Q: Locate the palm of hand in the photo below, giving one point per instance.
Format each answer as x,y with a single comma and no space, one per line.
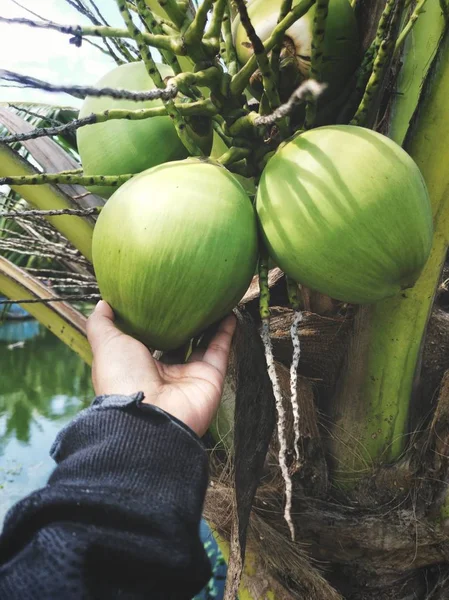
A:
191,392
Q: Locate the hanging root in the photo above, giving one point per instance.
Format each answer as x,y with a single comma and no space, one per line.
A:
292,291
294,378
281,424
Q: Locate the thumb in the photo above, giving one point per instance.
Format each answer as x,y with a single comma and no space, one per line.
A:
100,325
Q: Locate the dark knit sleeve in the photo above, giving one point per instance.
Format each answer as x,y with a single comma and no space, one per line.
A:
120,515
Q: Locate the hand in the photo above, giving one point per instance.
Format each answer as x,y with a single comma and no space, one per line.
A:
190,392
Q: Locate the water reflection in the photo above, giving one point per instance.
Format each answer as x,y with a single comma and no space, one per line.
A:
43,384
40,378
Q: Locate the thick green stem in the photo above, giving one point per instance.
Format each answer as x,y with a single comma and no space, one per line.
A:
240,80
268,76
372,405
154,27
183,129
172,10
374,83
194,32
231,56
292,292
419,8
233,155
384,43
201,107
384,23
319,30
213,32
286,7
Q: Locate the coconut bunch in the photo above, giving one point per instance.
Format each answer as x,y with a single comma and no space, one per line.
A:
329,203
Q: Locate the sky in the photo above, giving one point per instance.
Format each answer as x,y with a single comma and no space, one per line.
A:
48,54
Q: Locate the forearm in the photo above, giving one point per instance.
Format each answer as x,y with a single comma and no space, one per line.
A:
120,514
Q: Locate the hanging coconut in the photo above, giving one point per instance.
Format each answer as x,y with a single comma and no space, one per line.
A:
340,51
174,250
117,147
345,211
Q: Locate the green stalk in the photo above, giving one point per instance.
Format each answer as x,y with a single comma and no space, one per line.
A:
167,9
59,317
383,45
154,27
64,178
182,128
419,8
161,9
195,31
268,77
164,42
77,230
319,30
231,56
372,404
212,36
375,81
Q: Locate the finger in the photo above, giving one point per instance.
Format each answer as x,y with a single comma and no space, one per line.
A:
100,324
217,353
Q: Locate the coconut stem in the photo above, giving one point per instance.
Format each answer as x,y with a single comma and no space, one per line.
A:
233,155
319,31
202,107
62,178
174,12
374,83
79,31
409,26
384,23
78,91
268,77
213,32
231,56
183,130
210,77
264,309
154,27
286,7
241,79
194,32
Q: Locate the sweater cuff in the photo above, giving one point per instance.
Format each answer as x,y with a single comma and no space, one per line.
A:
136,444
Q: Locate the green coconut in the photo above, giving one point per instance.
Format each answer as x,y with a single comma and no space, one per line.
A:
121,146
345,211
341,43
174,250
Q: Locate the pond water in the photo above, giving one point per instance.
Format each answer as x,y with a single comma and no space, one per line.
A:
43,384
